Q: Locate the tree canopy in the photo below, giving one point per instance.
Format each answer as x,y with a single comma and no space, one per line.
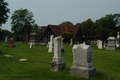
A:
105,26
67,36
22,21
67,23
4,10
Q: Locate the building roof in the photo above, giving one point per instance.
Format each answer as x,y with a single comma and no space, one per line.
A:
43,28
56,29
74,29
63,28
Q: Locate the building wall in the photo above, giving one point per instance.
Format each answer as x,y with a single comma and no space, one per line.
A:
46,37
26,37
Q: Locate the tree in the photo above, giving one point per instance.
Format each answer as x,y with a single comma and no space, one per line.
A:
4,33
67,36
22,21
3,12
87,29
35,28
67,23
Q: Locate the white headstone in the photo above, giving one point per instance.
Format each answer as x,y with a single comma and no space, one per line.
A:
8,55
82,61
100,45
51,44
57,64
6,39
30,45
97,42
23,60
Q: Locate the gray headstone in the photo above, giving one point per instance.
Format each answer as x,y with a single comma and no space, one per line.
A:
111,43
34,39
82,61
57,64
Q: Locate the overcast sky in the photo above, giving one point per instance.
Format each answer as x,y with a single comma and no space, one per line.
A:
57,11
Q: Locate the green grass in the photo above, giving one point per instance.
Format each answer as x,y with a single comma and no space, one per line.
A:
38,62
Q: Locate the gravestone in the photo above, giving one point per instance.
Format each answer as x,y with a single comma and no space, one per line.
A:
71,41
62,48
111,43
34,39
30,45
8,55
100,45
10,43
82,61
0,51
6,39
57,64
118,40
51,44
97,42
23,60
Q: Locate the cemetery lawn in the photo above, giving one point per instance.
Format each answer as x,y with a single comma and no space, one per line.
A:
37,66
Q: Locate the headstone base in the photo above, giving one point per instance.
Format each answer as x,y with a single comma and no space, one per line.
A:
0,51
83,71
57,66
110,47
10,45
34,43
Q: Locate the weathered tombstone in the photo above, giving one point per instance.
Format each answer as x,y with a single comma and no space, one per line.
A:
51,44
97,42
10,43
62,48
57,64
34,39
0,51
30,45
111,43
6,39
118,40
82,61
71,41
100,45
